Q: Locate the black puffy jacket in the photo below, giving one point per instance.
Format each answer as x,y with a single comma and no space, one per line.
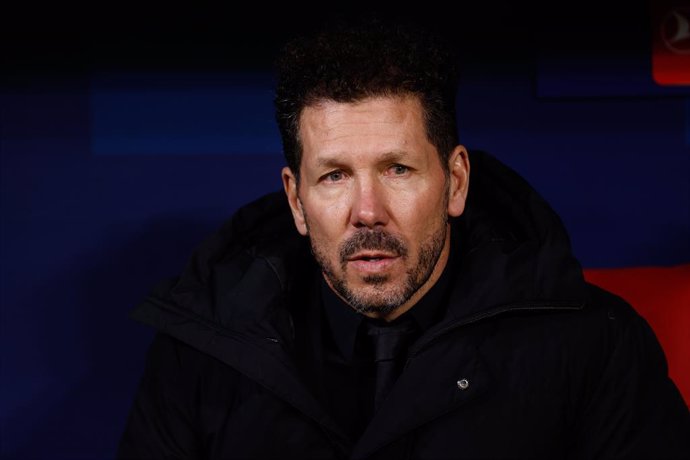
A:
553,367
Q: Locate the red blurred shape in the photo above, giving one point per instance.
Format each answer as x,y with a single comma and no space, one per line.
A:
661,295
671,42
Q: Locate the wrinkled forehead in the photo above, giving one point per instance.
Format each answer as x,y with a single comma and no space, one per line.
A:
373,122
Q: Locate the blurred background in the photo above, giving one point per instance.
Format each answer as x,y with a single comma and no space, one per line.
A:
130,131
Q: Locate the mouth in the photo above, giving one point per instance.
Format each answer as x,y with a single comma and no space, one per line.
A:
372,261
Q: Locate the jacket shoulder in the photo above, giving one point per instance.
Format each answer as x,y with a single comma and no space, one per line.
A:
632,408
181,393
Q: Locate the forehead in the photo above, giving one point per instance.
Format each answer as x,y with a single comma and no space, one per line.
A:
373,124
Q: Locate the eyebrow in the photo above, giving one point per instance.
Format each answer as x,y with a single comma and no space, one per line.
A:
388,157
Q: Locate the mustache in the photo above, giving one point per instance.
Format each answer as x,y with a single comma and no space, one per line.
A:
372,240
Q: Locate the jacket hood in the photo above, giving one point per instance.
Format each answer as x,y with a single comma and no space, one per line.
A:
514,248
240,277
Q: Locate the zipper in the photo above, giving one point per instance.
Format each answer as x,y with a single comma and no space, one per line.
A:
521,306
164,305
169,306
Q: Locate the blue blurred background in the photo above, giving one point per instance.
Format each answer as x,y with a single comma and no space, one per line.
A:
129,132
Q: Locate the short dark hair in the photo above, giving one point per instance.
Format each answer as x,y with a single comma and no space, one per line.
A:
356,59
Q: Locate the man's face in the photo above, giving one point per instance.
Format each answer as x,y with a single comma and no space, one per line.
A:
374,200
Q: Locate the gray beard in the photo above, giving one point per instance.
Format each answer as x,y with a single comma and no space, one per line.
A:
429,254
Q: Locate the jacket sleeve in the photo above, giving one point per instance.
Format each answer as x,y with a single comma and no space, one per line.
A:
161,421
634,410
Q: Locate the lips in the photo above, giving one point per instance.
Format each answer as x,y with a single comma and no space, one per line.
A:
372,261
371,255
371,252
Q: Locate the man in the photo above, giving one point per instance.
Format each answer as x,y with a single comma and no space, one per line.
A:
270,343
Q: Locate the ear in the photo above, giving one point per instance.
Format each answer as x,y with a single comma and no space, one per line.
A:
459,167
290,185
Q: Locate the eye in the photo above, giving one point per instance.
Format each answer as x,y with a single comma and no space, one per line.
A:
334,176
399,170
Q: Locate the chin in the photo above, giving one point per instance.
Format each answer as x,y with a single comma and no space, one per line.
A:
376,308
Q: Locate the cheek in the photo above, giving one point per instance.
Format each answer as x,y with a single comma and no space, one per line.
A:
326,217
323,231
421,211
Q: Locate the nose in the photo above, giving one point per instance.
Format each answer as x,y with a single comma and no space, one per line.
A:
369,204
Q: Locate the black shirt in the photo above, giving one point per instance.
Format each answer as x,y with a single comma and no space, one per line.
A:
347,369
